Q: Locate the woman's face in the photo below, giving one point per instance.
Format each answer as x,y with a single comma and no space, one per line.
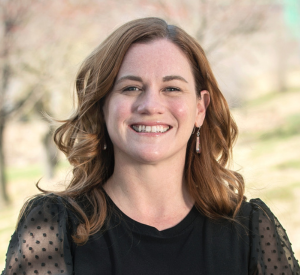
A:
153,107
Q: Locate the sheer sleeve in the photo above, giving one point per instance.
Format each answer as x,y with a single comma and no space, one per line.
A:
271,251
41,242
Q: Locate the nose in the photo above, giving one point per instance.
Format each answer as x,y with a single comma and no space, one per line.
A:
150,102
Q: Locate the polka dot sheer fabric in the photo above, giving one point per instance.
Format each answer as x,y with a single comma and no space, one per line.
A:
41,245
42,242
271,251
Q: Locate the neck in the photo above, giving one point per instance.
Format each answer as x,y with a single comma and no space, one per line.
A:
152,194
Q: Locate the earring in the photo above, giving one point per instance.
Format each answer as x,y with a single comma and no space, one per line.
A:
198,147
104,146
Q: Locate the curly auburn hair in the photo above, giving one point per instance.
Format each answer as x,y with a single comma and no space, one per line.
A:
218,192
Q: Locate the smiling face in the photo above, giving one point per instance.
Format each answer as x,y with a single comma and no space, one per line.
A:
153,106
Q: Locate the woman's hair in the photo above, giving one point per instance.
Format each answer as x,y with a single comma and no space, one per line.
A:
218,192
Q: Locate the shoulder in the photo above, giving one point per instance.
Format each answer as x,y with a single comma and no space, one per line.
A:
261,218
49,208
256,216
46,200
253,207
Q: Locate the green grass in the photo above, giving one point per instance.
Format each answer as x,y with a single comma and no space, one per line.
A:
290,164
21,173
261,100
31,172
268,97
289,128
285,193
267,141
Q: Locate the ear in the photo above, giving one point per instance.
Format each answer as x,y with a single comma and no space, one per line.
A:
202,104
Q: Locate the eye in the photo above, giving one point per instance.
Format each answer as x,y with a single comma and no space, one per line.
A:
172,89
131,90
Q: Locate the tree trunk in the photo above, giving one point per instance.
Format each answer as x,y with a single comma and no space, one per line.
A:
4,200
50,154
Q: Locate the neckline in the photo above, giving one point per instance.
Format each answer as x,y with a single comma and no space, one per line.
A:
148,230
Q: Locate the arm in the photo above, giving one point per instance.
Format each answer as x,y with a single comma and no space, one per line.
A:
41,243
271,250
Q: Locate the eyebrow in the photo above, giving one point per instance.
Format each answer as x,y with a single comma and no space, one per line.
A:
139,79
129,77
173,77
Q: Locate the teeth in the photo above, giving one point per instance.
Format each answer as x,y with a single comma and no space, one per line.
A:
150,129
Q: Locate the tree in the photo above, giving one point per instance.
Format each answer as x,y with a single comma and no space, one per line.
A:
222,28
12,16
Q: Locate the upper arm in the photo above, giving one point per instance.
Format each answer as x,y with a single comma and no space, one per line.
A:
271,250
40,245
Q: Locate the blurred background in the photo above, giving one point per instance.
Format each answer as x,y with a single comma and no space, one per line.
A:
254,50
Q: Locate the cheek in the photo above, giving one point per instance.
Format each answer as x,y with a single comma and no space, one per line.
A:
117,112
184,110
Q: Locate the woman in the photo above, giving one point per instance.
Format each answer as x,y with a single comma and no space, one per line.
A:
150,194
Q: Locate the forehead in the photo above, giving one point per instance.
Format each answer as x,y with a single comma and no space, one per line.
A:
156,58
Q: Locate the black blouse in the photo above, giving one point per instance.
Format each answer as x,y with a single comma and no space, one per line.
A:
255,243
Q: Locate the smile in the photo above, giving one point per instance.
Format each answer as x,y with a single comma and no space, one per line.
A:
150,129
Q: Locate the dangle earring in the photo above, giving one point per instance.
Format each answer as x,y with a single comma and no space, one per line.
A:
198,146
104,146
193,130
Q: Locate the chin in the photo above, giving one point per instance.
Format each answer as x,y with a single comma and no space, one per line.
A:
150,154
150,157
155,157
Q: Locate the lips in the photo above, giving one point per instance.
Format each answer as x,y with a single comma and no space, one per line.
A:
140,128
